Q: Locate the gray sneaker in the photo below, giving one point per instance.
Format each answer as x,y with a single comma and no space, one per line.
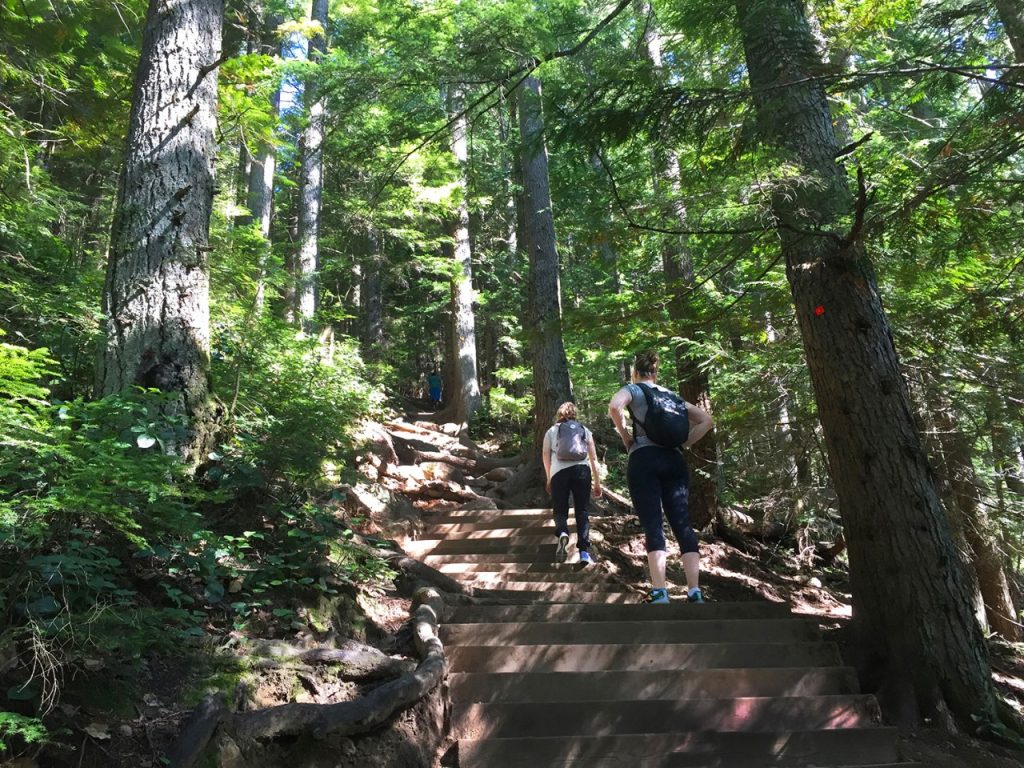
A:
562,550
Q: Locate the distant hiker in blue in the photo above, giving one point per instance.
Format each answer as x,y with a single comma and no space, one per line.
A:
434,384
663,424
570,466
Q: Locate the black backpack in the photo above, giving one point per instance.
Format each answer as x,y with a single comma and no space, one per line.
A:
666,423
571,441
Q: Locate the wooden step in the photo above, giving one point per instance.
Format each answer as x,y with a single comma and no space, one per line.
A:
486,514
676,611
503,719
559,593
582,575
529,555
627,632
875,746
643,656
541,547
569,587
505,527
652,685
498,568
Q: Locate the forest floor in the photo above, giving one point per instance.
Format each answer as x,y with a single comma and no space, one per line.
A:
134,734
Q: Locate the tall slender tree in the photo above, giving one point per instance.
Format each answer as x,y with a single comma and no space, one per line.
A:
311,183
155,302
551,385
911,599
677,264
260,190
465,396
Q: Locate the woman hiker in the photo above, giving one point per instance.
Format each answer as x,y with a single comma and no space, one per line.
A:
570,466
663,424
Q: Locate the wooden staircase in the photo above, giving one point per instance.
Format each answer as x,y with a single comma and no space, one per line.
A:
582,674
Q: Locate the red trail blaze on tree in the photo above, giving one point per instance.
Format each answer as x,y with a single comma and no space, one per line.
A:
911,600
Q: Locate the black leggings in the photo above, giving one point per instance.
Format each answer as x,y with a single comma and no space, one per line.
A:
575,480
659,480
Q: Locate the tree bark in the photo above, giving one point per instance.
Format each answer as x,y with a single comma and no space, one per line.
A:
910,594
966,501
1011,14
677,264
156,297
373,300
551,385
311,181
464,397
260,192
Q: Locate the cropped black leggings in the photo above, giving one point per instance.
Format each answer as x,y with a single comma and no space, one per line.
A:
659,481
575,480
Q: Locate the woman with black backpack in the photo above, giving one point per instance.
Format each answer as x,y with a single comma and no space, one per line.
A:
663,424
570,466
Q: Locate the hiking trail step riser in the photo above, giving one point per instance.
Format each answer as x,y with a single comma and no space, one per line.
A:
780,749
598,658
749,715
527,526
663,684
529,556
495,569
562,594
676,611
626,632
486,514
580,575
543,547
567,589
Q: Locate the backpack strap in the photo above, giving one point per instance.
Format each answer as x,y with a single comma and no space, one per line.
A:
646,389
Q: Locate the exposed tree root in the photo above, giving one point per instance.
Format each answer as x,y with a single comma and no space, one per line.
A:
357,661
247,729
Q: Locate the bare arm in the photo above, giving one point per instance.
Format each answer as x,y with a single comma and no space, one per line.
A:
595,473
700,423
545,455
617,413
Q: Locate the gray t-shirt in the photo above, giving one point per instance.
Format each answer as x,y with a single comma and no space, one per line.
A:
551,444
638,408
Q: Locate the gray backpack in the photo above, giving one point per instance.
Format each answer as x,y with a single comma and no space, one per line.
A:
571,441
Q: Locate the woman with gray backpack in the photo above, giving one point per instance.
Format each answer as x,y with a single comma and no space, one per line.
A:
663,424
570,467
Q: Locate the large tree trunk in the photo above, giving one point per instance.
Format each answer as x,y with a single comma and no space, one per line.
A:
1011,14
551,386
156,298
464,397
910,594
677,263
312,179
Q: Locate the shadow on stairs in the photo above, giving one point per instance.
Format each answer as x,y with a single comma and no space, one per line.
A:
583,674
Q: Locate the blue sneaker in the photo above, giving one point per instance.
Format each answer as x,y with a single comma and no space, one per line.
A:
695,596
561,551
659,597
585,558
